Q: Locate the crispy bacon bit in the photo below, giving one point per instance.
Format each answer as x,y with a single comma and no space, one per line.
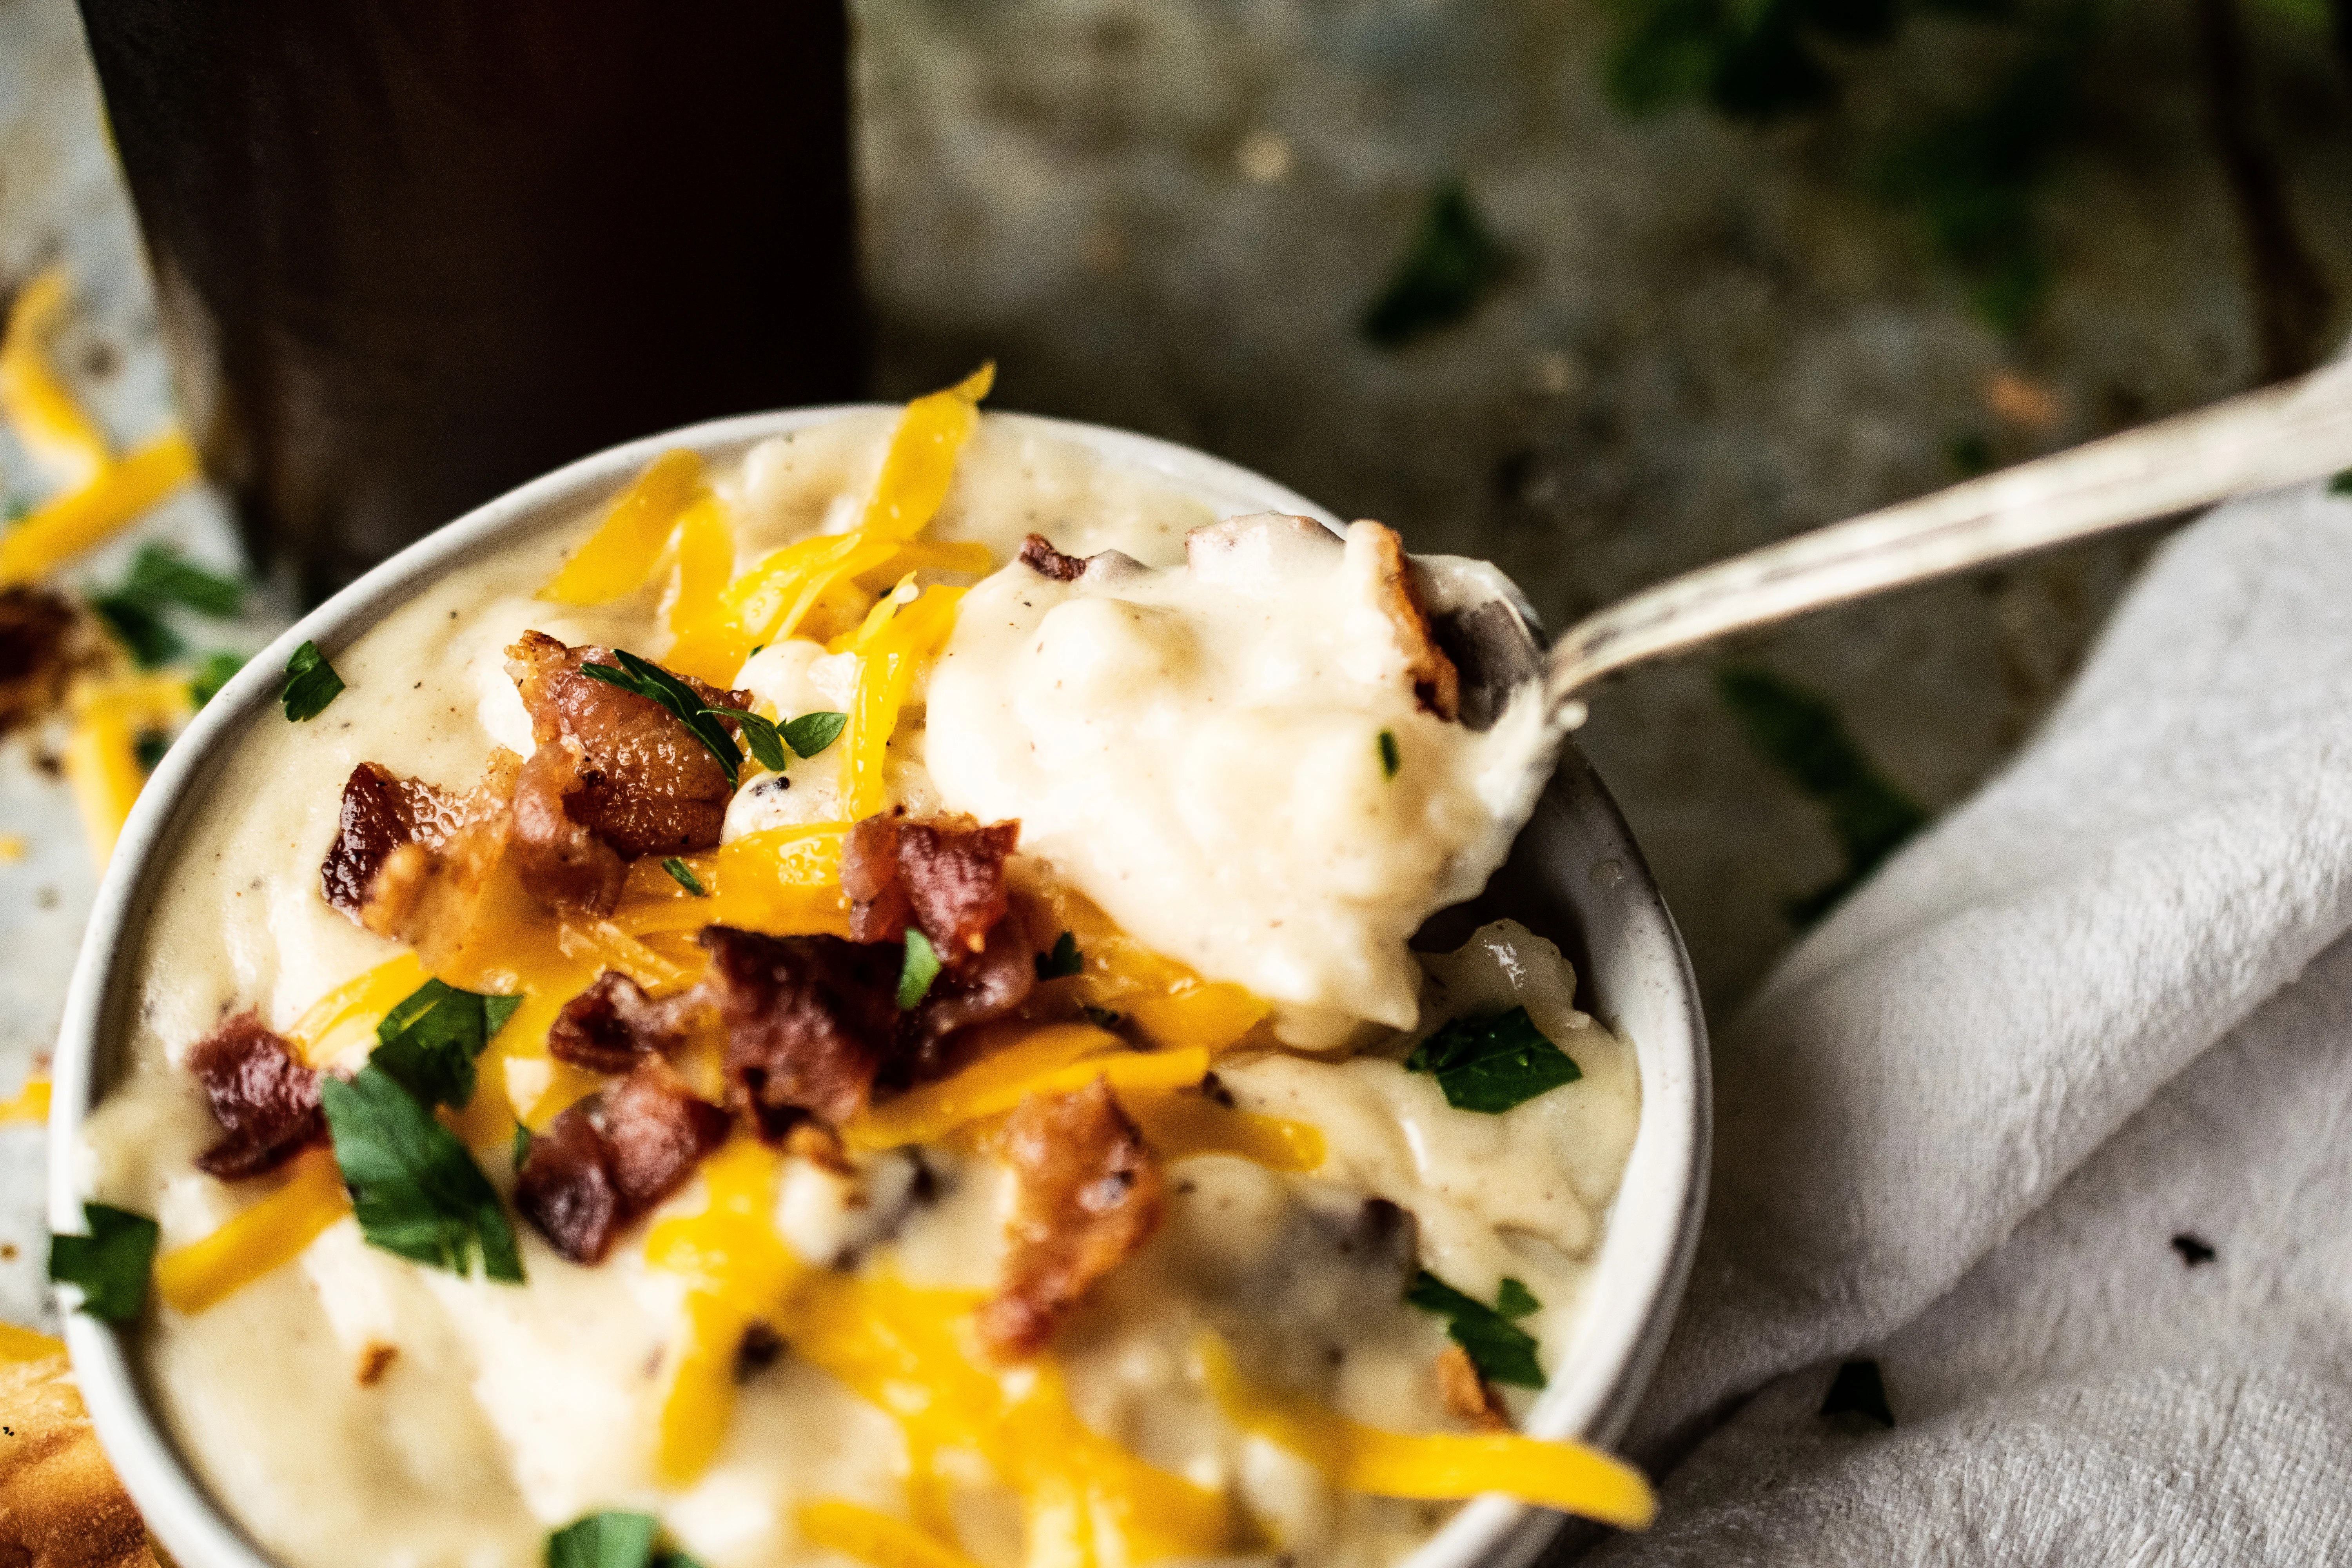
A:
614,1025
980,988
1468,1395
658,1132
810,1020
381,812
1090,1196
1039,555
43,640
945,876
266,1100
608,1160
414,863
565,1188
1436,684
616,776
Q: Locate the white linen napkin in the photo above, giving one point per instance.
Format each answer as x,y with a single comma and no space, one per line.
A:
2104,1004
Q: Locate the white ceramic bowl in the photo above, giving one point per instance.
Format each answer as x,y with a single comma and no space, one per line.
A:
1575,876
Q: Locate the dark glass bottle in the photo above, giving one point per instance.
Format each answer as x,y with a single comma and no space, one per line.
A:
409,253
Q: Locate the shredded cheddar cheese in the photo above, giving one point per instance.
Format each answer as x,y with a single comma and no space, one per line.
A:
22,1344
1176,1125
48,424
621,554
101,755
876,1538
706,559
1052,1060
889,652
335,1021
80,518
32,1101
270,1234
1444,1468
771,601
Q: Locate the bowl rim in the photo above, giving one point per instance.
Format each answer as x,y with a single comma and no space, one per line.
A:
1617,1341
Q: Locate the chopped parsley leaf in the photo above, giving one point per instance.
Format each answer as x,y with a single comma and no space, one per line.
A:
813,732
1493,1063
683,875
149,748
111,1264
1064,961
921,968
760,736
140,630
649,680
1389,759
416,1189
160,576
428,1043
311,683
1501,1350
2341,485
212,675
604,1541
521,1144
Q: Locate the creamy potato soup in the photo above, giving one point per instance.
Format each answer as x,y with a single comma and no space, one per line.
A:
855,1006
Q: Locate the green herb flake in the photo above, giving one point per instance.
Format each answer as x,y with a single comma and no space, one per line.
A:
1501,1350
213,673
921,968
765,743
522,1145
1800,735
111,1264
416,1189
428,1043
1448,269
1063,960
2341,485
311,683
1494,1063
683,875
813,732
649,680
140,630
1389,760
604,1541
149,748
1859,1390
160,576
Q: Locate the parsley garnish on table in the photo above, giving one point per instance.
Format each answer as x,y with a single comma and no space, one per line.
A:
111,1264
612,1541
1494,1063
160,578
1501,1350
428,1044
415,1188
311,683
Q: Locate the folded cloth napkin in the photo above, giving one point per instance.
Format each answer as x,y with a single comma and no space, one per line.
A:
2053,1121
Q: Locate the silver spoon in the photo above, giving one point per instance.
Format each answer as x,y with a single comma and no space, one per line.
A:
2283,434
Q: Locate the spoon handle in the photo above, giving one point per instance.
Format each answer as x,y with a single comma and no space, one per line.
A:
2283,434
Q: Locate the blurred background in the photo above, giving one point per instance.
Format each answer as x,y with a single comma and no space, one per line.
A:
1601,290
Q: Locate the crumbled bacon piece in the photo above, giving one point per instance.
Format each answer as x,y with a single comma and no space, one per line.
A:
945,876
1436,684
1039,555
809,1020
1468,1395
565,1188
266,1100
43,640
614,1025
381,812
1090,1196
616,776
980,988
608,1160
